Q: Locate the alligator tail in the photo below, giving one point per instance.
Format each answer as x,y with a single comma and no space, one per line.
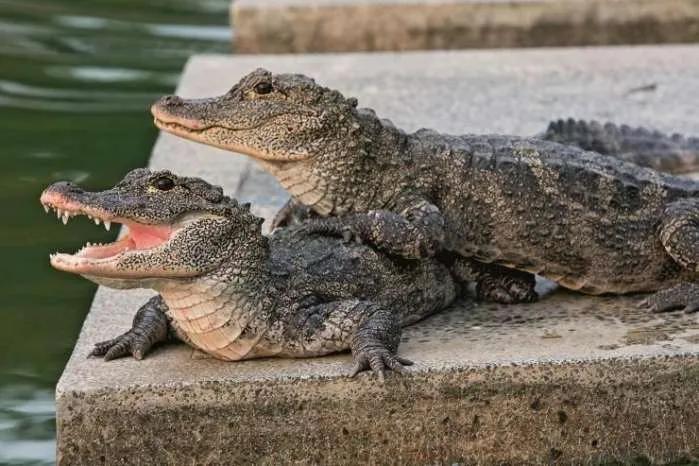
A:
647,148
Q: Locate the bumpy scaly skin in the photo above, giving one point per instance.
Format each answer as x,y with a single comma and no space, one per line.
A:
587,221
245,295
641,146
684,296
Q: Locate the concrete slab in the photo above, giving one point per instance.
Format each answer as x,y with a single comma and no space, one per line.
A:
294,26
571,379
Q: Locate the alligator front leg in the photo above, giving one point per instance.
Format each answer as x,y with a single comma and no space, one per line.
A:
150,326
679,234
394,234
417,231
369,330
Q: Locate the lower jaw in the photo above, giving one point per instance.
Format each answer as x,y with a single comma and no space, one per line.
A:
198,136
120,283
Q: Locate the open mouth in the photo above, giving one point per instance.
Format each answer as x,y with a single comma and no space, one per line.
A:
96,257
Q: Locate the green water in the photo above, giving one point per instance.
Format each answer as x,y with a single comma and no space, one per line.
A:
76,80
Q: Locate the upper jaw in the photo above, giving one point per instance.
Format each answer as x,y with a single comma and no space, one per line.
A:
171,113
97,258
66,205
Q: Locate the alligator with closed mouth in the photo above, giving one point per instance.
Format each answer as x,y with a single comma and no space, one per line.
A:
591,222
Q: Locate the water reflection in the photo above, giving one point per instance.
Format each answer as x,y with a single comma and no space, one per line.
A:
179,31
26,424
76,80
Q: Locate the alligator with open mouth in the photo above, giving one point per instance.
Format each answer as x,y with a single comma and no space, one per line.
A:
226,289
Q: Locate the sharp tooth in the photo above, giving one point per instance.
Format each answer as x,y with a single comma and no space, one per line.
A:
65,218
59,214
107,225
89,216
46,208
97,221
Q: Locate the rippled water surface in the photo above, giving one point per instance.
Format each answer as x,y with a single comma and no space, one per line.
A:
76,80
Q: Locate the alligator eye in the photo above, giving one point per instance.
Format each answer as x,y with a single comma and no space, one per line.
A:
263,87
164,183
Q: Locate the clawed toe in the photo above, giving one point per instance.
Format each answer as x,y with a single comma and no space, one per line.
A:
523,295
510,288
121,346
379,362
101,348
506,296
683,297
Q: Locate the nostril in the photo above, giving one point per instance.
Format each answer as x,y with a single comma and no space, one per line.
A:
69,185
172,100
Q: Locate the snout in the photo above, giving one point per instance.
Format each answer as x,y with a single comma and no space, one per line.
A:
173,110
165,103
60,193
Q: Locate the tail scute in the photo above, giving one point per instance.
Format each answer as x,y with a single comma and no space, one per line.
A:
641,146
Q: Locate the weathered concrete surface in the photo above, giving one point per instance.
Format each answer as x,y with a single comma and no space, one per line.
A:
283,26
568,379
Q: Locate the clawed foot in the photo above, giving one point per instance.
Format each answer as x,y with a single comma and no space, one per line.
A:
507,289
684,296
130,342
379,360
292,213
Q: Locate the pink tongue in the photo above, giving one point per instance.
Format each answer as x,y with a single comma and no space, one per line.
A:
148,236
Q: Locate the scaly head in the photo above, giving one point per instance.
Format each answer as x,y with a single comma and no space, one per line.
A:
271,117
176,228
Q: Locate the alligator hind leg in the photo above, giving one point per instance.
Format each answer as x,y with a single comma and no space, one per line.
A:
494,282
369,330
375,342
506,286
684,296
679,234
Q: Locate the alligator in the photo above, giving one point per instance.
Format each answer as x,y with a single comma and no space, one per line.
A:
588,221
226,289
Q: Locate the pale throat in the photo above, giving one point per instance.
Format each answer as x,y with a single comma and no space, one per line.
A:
299,180
214,317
